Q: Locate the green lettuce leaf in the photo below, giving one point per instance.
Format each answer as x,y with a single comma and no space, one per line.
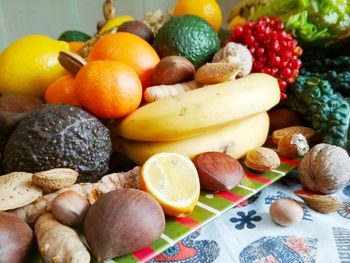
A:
311,21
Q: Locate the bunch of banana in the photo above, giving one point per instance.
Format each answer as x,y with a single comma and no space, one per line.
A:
227,117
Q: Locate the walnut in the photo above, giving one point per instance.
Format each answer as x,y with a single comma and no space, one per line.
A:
325,168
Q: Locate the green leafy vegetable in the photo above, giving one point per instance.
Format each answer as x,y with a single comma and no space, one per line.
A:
327,110
311,21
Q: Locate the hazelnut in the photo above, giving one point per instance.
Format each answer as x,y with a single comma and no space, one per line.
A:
262,159
171,70
218,171
293,145
286,212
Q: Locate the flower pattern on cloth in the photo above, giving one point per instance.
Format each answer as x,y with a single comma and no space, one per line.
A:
280,249
344,211
346,190
244,219
190,250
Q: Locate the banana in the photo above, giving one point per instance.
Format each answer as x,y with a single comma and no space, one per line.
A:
203,110
235,139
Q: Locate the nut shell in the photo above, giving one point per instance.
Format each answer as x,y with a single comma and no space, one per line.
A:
286,212
218,171
262,159
293,145
171,70
325,168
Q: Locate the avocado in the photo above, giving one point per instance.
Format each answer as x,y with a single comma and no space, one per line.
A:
188,36
74,35
59,136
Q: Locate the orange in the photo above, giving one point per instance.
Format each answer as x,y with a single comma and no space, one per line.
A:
108,89
172,179
75,46
209,10
62,90
129,49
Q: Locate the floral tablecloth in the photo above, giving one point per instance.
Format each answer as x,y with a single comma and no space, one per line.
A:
247,233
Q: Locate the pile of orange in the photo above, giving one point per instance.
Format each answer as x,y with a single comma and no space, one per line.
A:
129,49
110,85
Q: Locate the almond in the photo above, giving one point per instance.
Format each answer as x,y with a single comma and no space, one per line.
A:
55,179
213,73
17,190
306,131
293,145
71,62
321,203
262,159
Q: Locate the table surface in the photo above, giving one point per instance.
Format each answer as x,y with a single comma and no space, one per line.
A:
247,234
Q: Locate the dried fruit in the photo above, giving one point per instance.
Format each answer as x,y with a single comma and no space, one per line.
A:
321,203
56,178
325,168
218,171
17,190
286,212
293,145
262,159
307,132
171,70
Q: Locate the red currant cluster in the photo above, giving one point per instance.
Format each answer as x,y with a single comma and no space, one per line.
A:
275,51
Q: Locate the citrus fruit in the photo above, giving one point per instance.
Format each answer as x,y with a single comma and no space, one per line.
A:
115,22
188,36
62,90
75,46
108,89
172,179
30,64
129,49
209,10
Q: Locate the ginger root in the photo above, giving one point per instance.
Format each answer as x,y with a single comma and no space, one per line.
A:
59,243
164,91
90,191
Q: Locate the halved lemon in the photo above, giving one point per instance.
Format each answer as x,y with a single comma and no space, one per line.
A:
172,179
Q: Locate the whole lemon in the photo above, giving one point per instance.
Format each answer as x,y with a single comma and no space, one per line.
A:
30,64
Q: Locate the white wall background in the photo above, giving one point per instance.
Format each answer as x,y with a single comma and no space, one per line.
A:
52,17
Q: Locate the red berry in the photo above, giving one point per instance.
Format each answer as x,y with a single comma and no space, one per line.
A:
274,51
238,31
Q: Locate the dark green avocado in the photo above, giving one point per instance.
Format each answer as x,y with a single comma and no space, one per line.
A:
188,36
74,35
59,136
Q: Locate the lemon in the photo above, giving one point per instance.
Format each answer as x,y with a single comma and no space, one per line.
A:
172,179
30,64
114,22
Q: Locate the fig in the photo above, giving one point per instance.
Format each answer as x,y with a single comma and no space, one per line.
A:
123,221
15,238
